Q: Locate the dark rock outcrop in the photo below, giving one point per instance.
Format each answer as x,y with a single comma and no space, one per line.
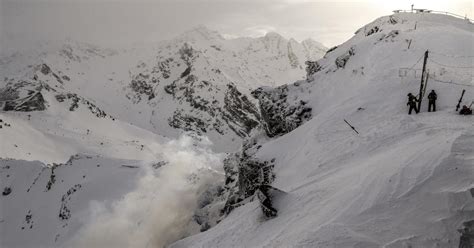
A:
234,111
45,69
244,175
372,31
279,115
6,191
142,85
332,49
312,67
187,122
33,102
341,61
239,113
467,235
390,36
74,102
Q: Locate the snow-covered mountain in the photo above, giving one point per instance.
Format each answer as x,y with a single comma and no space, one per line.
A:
404,181
196,82
81,124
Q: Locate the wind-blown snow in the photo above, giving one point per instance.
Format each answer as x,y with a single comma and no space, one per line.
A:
108,202
159,210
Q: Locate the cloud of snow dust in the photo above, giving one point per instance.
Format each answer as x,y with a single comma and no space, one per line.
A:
161,207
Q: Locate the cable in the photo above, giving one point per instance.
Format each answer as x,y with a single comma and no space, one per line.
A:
446,82
451,66
417,61
451,56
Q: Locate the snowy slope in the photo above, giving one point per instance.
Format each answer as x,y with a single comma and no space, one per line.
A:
405,181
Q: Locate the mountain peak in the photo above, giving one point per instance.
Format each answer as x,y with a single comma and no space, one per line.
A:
312,43
202,32
273,35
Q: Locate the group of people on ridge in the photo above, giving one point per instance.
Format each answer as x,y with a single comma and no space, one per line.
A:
432,97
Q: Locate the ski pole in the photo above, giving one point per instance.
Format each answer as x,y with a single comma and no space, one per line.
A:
460,100
353,128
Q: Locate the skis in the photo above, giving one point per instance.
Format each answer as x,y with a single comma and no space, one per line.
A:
460,100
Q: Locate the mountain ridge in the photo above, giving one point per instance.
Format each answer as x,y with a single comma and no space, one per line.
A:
141,77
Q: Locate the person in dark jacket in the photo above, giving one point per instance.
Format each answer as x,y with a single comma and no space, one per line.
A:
432,101
412,103
465,110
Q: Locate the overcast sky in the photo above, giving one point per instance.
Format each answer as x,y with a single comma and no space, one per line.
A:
118,22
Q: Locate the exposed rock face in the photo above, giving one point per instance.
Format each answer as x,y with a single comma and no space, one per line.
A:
390,36
187,122
376,26
209,79
311,68
244,174
23,96
341,61
237,113
292,58
330,50
74,100
241,115
35,102
45,69
280,115
141,86
29,94
372,31
467,235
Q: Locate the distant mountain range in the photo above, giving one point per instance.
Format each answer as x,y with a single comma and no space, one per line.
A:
197,82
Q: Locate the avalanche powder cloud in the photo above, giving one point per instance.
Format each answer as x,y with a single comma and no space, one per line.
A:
160,209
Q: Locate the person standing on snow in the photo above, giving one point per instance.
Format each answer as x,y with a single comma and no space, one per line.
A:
412,103
432,101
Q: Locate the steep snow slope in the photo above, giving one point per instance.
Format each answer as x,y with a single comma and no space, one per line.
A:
196,82
405,181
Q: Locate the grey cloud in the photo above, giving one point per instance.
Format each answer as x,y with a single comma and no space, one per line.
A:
120,22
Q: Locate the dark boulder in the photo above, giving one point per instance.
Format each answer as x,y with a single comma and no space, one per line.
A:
45,69
7,191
